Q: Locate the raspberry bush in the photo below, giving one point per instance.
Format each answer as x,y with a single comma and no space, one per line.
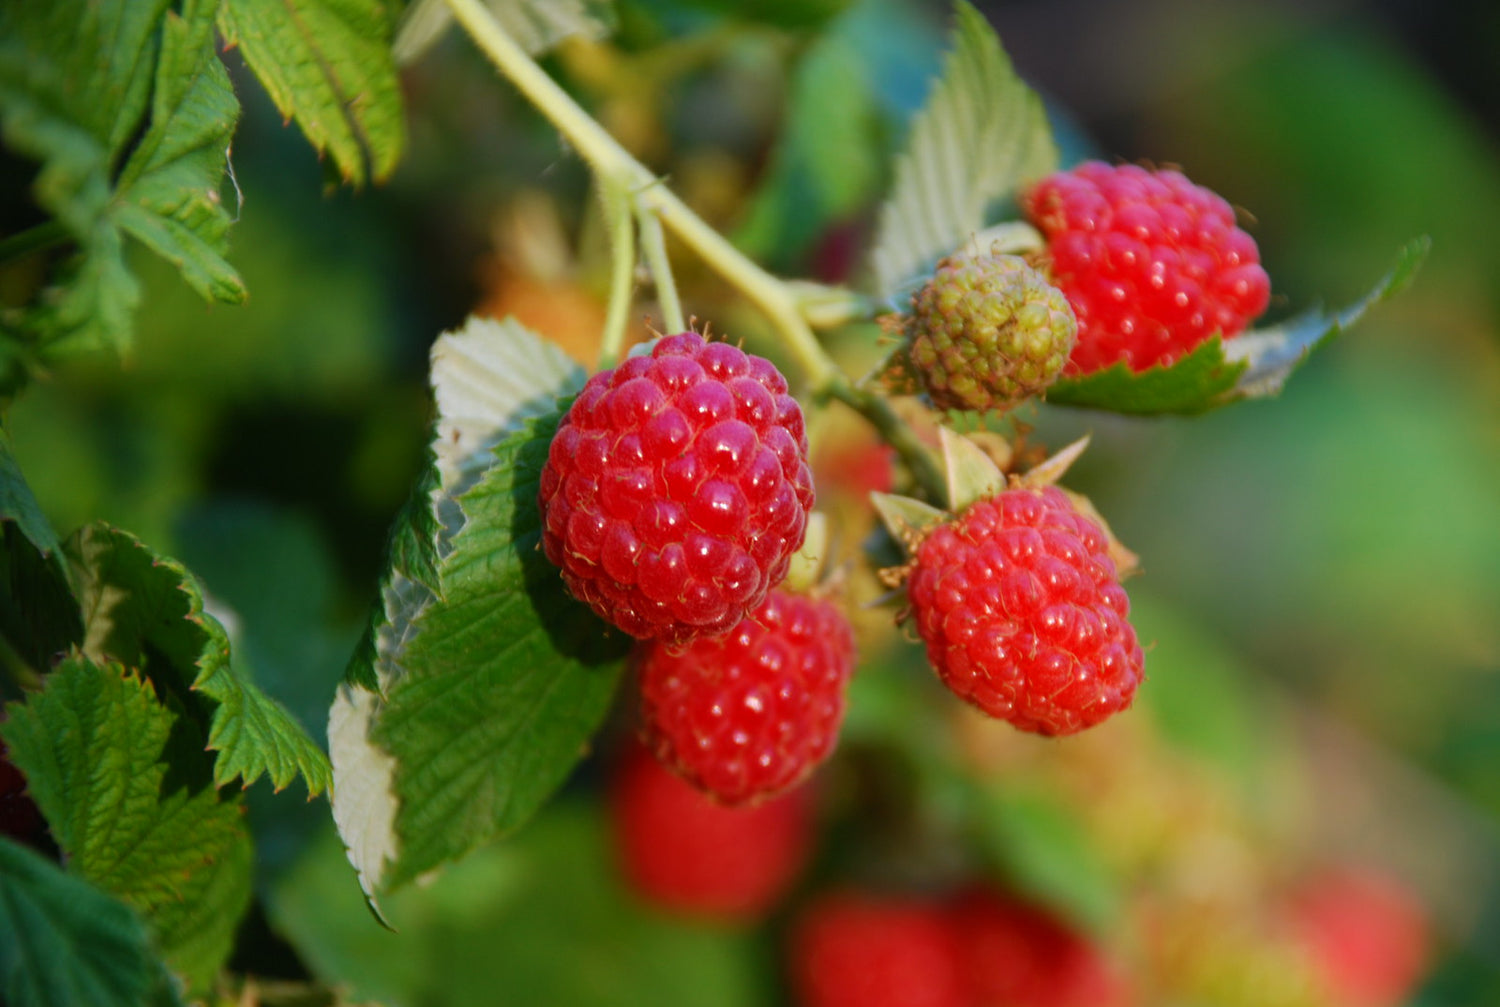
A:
640,709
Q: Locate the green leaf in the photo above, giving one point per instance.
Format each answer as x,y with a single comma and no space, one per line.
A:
1043,851
535,25
168,193
480,680
328,65
1253,365
63,942
38,614
145,610
980,136
507,678
125,789
79,82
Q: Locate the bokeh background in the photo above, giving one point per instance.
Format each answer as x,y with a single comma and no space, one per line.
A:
1321,579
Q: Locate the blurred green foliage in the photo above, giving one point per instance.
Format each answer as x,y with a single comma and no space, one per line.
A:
1338,546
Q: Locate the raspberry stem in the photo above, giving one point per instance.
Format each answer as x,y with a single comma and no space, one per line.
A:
620,225
654,246
653,199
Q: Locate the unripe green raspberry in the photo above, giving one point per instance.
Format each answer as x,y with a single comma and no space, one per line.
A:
988,331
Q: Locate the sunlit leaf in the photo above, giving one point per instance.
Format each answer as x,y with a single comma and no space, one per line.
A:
80,84
980,136
328,65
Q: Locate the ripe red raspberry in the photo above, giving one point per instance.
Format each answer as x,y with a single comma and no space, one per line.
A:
1022,614
683,852
850,949
1016,955
750,713
677,489
1152,264
1367,934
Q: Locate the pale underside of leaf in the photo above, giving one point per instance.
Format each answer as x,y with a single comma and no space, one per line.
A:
535,25
487,378
981,135
364,799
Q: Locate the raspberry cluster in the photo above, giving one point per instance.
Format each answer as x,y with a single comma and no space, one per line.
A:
749,714
1152,264
1022,614
988,331
677,489
684,852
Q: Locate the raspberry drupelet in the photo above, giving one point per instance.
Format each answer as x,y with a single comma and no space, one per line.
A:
677,489
1152,264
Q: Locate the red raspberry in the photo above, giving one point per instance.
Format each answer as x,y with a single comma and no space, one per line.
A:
850,949
1367,934
1016,955
1152,264
1022,614
750,713
682,851
677,489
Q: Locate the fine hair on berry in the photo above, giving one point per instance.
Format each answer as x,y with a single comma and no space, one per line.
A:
751,713
677,489
1153,264
1022,614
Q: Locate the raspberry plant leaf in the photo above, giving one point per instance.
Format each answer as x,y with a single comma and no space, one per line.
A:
39,616
146,611
328,65
65,942
979,137
130,113
1217,373
480,681
122,780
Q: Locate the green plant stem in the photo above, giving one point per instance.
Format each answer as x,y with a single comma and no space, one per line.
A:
610,160
654,248
33,239
773,296
620,224
877,410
